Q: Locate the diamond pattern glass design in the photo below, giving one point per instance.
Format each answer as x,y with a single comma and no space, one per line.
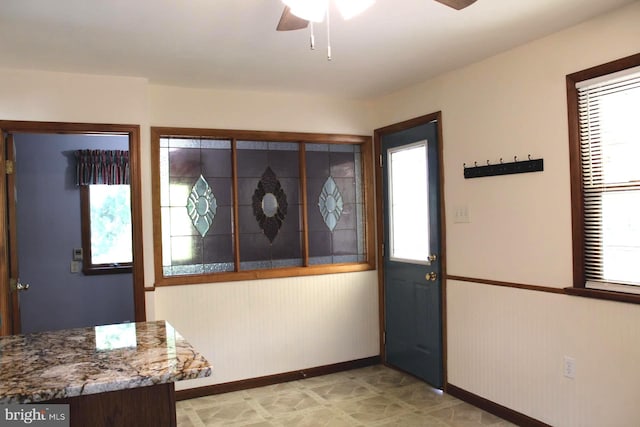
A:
196,206
335,218
330,203
269,204
202,206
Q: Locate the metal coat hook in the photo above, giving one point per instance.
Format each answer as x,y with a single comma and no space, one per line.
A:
502,168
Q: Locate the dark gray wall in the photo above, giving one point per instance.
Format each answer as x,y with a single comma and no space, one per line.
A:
48,211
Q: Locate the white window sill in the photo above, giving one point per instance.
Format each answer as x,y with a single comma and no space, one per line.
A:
607,294
614,287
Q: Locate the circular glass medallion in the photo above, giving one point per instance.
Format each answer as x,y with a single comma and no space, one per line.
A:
269,205
202,205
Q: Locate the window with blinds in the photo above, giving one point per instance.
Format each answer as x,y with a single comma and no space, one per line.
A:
609,134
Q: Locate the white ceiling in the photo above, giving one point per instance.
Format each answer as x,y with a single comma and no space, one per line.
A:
232,44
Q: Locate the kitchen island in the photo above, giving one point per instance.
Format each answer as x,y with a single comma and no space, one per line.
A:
111,375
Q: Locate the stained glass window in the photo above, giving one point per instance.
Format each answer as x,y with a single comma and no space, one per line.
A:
233,208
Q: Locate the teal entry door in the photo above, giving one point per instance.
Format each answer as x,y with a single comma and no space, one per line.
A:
411,260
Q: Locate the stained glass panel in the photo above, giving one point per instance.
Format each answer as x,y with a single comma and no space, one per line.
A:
196,206
269,204
335,203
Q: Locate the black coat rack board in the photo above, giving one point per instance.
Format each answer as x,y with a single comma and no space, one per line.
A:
524,166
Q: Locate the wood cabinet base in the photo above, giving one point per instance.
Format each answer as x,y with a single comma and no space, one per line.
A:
145,406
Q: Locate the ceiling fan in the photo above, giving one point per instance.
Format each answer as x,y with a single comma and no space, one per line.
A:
294,18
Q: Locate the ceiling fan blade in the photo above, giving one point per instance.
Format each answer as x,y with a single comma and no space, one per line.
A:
289,21
457,4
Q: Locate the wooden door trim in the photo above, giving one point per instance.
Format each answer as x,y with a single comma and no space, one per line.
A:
12,245
133,132
5,293
377,142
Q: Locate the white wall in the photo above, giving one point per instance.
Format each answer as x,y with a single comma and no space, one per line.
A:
507,345
218,109
47,96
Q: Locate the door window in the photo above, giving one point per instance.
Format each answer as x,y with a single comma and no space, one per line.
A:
409,203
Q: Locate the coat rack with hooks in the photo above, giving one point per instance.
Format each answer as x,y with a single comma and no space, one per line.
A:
516,166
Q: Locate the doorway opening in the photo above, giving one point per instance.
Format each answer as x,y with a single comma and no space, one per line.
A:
10,285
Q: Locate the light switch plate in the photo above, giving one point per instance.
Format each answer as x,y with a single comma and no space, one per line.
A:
569,367
461,214
77,254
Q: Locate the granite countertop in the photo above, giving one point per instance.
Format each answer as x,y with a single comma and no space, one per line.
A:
74,362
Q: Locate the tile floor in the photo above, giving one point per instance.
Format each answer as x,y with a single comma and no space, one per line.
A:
372,396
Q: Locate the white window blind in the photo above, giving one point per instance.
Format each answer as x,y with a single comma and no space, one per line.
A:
609,116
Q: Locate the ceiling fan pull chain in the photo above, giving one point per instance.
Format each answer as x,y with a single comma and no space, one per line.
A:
312,39
328,36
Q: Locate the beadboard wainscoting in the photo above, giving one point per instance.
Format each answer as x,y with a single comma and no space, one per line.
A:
508,346
251,329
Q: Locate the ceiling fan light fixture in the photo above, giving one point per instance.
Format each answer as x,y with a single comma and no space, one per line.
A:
311,10
457,4
350,8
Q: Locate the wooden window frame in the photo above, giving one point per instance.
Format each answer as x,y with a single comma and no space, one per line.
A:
366,145
89,268
577,211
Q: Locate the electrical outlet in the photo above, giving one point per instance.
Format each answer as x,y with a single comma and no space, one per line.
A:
569,367
76,266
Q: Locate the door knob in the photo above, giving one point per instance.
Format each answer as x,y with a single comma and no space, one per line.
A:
16,285
431,276
432,257
22,286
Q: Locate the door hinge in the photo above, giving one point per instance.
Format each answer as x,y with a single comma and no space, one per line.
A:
380,160
384,337
8,167
382,249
